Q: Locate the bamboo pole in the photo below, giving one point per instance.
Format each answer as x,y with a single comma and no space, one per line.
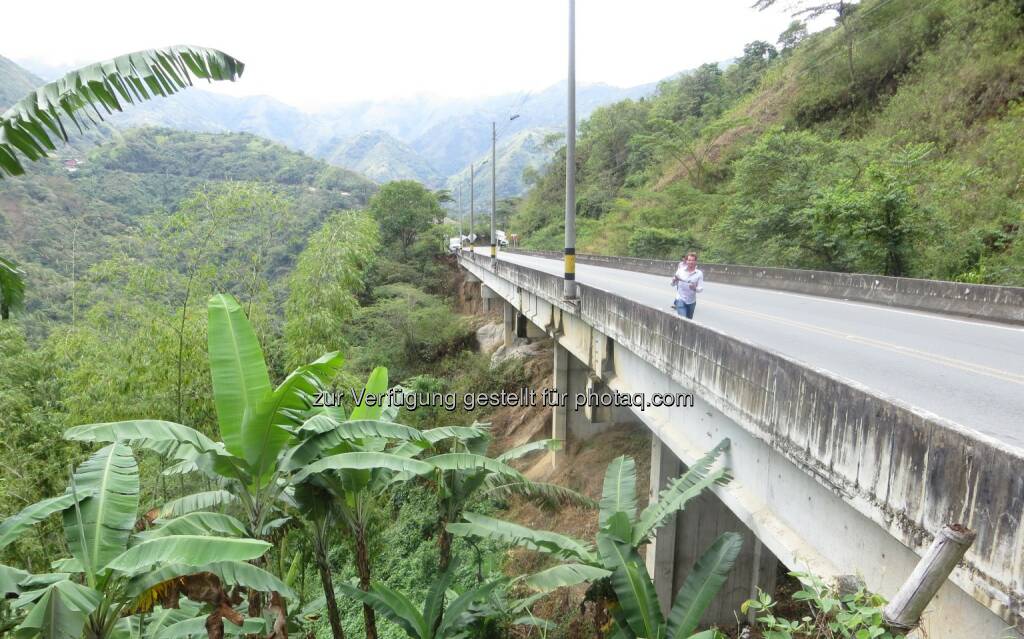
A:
904,610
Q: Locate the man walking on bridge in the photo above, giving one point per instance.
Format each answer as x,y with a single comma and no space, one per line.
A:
688,280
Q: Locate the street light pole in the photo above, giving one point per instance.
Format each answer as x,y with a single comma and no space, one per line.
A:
569,289
472,242
494,191
462,219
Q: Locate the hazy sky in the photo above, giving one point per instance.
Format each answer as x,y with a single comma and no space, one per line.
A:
315,53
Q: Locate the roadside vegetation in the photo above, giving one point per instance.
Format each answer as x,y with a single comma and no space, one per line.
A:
168,472
890,143
170,475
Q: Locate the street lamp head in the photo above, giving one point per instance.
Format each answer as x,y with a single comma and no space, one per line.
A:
513,117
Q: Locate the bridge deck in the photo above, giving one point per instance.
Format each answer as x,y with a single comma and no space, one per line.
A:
970,372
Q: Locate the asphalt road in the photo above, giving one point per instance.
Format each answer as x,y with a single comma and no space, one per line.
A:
970,372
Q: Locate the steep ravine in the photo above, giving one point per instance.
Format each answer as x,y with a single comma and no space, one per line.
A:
582,468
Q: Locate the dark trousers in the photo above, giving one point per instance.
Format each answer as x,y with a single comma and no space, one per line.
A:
684,309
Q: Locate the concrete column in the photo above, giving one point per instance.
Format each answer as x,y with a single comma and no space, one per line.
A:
560,411
488,296
661,552
702,521
522,325
597,415
510,324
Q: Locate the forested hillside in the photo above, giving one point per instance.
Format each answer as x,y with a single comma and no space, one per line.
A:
59,223
427,139
892,143
380,157
15,82
241,397
163,268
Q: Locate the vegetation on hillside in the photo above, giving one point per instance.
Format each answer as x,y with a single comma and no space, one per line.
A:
58,224
890,144
248,500
171,468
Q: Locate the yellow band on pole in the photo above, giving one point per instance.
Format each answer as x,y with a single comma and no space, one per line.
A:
570,263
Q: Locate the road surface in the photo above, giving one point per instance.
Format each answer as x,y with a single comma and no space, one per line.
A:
967,371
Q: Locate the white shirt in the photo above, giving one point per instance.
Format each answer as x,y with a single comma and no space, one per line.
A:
684,278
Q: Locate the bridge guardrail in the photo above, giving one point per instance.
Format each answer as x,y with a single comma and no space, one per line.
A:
908,470
981,301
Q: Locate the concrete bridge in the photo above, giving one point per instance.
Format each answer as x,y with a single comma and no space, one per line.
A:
832,475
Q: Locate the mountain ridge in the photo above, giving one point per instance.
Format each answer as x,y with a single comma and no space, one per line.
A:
424,138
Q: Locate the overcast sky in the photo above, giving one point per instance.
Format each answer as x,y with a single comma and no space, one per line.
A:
311,54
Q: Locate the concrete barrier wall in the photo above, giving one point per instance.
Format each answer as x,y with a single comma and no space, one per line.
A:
982,301
909,471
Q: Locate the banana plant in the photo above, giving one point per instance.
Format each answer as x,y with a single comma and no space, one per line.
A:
614,558
341,474
12,287
433,620
257,422
638,613
350,478
457,485
30,126
496,614
267,433
113,572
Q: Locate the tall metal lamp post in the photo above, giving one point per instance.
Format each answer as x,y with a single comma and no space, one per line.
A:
494,184
472,203
570,290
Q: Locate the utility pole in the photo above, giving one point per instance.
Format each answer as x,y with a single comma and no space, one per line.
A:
494,191
472,243
462,219
569,290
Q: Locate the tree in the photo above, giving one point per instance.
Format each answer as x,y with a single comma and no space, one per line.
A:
793,35
744,76
340,473
219,238
690,143
466,471
274,440
325,284
810,10
404,209
871,225
12,287
34,457
775,184
434,621
616,561
256,421
114,572
31,124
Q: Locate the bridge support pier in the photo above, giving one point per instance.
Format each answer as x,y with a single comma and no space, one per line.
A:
680,543
488,297
661,552
560,413
571,422
510,324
